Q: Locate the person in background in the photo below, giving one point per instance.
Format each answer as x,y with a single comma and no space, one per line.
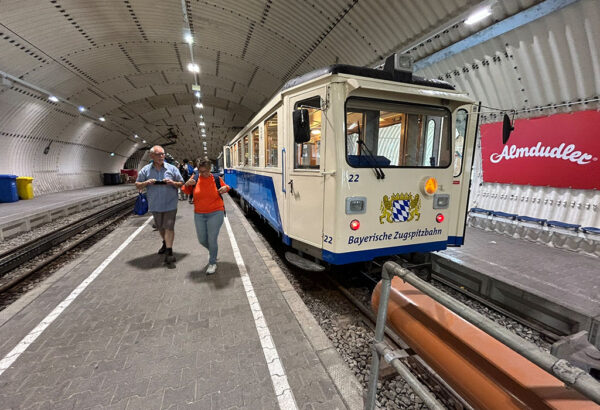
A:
183,170
162,181
191,170
209,209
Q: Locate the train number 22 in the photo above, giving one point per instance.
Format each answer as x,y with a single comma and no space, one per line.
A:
353,178
327,239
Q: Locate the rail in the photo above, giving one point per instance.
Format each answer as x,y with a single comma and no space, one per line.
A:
14,257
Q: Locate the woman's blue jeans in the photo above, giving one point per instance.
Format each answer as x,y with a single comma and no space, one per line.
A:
207,229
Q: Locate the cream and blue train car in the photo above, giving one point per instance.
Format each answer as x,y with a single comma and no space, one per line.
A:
349,163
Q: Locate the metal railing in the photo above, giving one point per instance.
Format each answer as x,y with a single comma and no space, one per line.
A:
559,368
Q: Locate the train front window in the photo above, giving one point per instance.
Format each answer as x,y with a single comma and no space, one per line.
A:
387,134
307,155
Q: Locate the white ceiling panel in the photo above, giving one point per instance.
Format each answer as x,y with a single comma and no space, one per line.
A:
126,59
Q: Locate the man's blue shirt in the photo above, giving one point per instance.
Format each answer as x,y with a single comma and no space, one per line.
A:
161,198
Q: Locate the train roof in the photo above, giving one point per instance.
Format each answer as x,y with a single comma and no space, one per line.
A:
396,76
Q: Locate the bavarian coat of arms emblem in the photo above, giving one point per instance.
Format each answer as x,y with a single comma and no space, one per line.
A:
400,208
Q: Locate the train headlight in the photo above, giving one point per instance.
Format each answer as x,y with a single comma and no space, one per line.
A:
441,201
430,186
355,224
356,205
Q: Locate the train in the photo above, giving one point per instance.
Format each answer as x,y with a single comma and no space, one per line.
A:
348,164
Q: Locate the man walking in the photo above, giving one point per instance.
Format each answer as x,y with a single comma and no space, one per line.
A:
162,181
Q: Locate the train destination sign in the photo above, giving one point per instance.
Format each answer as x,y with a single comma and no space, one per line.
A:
561,151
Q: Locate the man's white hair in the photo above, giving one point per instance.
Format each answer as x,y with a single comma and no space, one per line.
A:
156,146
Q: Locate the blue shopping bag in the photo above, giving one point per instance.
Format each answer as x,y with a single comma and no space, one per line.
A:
141,205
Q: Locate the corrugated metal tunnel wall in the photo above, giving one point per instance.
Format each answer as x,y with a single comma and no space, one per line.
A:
61,150
126,59
553,61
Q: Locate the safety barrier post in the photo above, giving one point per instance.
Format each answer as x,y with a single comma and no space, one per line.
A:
380,348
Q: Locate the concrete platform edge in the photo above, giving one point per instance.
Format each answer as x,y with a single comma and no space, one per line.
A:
345,381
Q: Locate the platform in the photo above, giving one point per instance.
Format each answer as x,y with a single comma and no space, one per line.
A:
141,336
24,215
553,286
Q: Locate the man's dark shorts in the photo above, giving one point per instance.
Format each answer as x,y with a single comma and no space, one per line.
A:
165,220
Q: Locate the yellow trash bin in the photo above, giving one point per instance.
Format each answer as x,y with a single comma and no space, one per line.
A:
25,187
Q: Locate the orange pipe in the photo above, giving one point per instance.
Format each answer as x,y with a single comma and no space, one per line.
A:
486,373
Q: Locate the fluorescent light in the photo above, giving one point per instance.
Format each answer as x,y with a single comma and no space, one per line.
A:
197,94
194,68
204,130
53,98
352,126
112,154
135,136
102,119
315,132
478,16
143,141
81,108
188,38
202,123
199,105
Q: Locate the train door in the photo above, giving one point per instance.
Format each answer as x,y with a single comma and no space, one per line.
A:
465,132
303,179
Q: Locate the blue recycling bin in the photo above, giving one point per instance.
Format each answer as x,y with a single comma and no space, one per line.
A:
8,188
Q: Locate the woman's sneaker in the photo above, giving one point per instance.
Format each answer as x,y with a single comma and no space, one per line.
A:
211,269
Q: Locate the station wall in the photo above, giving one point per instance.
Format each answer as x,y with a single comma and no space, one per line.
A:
527,69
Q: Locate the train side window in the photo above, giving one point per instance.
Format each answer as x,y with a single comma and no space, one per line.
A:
246,151
270,127
459,140
227,158
255,149
307,155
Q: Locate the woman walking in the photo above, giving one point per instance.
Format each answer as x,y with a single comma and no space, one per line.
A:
209,209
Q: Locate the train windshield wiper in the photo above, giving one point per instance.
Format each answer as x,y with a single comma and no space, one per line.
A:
378,171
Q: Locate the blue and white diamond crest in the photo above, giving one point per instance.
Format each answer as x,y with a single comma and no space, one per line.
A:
400,210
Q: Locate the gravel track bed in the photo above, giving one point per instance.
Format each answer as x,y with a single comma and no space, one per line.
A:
46,228
13,294
515,327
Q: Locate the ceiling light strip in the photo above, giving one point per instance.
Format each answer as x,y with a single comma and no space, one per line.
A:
49,94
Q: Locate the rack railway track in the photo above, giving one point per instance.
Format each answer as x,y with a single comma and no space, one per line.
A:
17,256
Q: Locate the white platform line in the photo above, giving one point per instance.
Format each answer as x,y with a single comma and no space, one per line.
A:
14,354
284,394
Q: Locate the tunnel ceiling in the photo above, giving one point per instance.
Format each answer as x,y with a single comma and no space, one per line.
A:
126,60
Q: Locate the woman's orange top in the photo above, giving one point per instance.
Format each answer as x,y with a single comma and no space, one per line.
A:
206,196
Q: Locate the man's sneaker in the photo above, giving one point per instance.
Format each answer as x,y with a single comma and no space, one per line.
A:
211,269
163,248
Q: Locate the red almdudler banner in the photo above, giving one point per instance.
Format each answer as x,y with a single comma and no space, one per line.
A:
561,151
